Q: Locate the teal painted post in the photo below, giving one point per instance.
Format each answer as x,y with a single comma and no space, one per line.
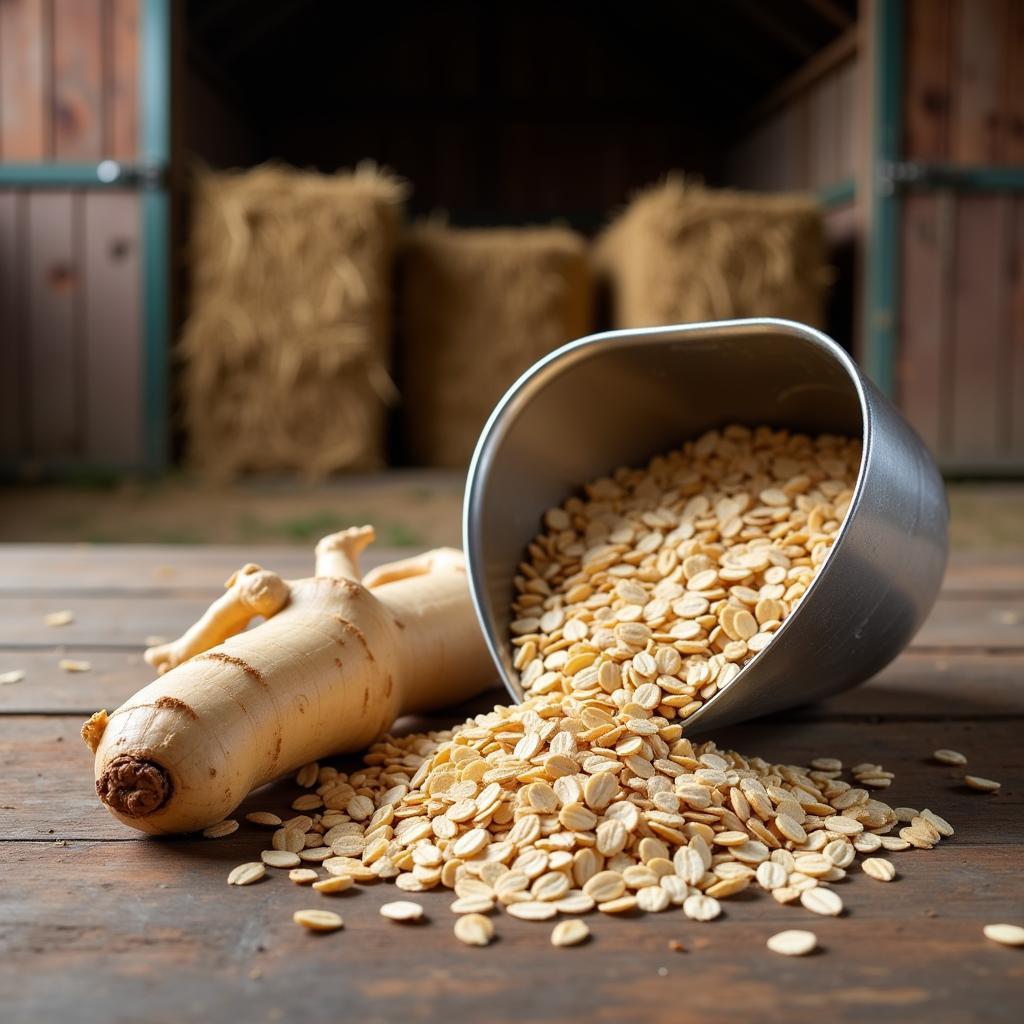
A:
155,151
881,313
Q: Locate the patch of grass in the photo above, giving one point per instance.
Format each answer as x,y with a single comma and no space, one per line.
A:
68,521
95,537
250,527
93,479
309,528
296,529
985,517
399,535
179,536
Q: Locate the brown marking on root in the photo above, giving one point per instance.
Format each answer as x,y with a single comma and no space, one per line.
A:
213,773
338,664
230,659
134,786
399,623
366,699
351,627
390,686
173,704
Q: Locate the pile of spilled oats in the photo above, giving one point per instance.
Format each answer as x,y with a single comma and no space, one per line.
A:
531,810
642,598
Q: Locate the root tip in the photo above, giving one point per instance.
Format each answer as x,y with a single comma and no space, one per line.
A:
134,786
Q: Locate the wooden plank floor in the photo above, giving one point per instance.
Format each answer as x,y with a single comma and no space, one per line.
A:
98,924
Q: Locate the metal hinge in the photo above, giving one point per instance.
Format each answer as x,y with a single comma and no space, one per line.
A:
891,174
142,173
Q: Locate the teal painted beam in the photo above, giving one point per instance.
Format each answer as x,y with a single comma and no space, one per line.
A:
841,193
881,292
107,174
913,175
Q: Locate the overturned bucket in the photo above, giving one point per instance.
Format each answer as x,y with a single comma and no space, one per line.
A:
618,398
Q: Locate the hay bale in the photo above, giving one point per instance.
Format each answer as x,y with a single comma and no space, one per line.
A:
681,253
478,308
285,350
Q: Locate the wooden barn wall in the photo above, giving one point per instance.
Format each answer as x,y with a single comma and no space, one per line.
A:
70,325
70,320
965,81
68,72
808,144
961,363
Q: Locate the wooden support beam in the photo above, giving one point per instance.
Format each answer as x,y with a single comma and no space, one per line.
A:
776,27
831,12
838,52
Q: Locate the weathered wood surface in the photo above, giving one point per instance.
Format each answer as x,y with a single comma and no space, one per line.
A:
112,330
68,80
963,98
134,568
11,274
70,324
929,26
149,931
979,366
137,568
1016,377
70,379
51,322
925,346
958,372
959,323
125,621
123,127
980,685
24,37
100,924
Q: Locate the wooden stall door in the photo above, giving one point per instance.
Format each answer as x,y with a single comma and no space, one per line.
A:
960,371
72,240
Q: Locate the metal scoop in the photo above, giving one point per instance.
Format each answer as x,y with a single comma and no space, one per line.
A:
615,399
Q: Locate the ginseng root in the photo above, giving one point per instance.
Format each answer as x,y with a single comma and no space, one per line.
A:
336,661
